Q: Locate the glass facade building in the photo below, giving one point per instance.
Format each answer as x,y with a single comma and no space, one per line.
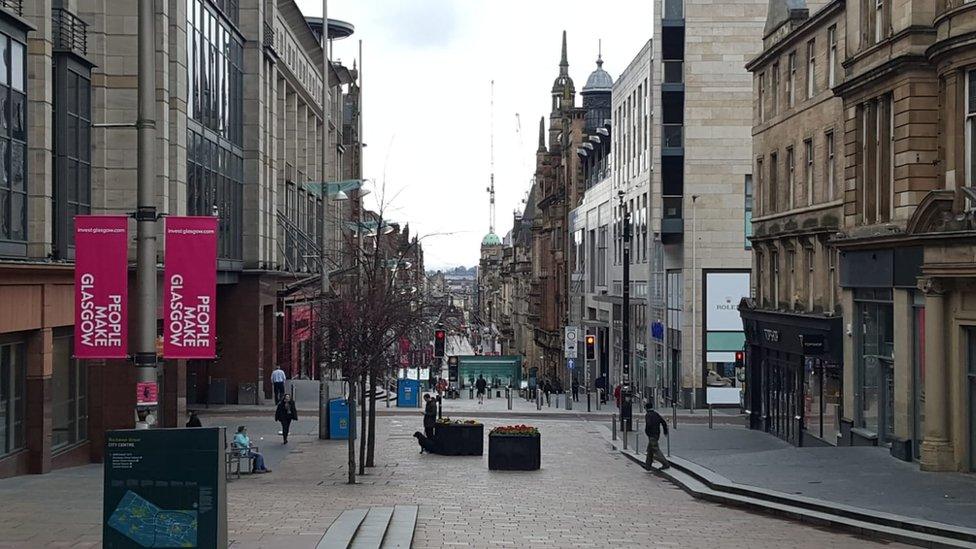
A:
215,127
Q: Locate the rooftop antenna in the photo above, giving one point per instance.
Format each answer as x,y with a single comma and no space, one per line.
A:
491,189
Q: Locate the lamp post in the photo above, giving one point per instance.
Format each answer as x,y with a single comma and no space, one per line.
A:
144,352
625,389
695,363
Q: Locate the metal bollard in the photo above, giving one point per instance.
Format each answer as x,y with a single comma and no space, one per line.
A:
588,409
538,400
569,401
637,432
709,416
613,423
509,393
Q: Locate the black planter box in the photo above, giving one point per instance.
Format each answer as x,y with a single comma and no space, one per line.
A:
514,452
460,440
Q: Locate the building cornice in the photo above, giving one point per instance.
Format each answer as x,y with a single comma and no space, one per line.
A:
795,35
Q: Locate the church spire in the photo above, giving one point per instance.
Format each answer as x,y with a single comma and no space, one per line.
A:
542,134
564,61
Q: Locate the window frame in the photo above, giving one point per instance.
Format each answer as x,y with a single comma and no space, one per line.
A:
791,79
790,178
829,155
831,55
808,171
811,68
72,161
10,245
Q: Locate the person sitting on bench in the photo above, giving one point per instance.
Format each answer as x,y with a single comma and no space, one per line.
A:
242,444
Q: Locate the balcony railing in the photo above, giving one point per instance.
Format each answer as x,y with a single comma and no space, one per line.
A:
269,37
70,32
16,6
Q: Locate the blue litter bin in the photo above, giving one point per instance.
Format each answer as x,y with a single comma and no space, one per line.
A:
408,393
338,418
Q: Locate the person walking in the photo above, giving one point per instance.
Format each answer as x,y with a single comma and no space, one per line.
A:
285,414
547,389
653,424
193,420
480,385
575,390
278,382
430,415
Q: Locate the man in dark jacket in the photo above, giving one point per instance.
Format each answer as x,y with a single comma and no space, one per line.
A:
285,413
430,416
480,385
653,424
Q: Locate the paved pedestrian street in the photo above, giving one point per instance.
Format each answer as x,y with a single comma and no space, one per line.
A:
585,495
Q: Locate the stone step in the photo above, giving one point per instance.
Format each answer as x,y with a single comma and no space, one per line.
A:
692,482
399,535
341,533
372,529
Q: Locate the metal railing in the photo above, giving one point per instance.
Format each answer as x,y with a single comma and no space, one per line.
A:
269,36
70,32
16,6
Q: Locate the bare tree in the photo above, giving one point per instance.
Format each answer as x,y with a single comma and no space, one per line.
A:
372,311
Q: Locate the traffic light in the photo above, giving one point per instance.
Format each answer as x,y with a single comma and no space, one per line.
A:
740,358
439,337
590,347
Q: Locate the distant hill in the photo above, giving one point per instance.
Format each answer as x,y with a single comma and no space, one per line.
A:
459,272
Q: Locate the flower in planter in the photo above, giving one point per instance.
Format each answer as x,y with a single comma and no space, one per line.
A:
518,430
449,421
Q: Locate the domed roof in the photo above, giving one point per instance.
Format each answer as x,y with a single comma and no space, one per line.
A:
491,239
599,80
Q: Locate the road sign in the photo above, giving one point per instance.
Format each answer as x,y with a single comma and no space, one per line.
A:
570,363
571,339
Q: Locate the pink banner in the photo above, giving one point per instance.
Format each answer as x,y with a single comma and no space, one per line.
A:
101,286
189,299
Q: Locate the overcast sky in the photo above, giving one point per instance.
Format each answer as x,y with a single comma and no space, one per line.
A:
428,65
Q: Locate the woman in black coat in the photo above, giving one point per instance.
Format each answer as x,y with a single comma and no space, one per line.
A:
286,413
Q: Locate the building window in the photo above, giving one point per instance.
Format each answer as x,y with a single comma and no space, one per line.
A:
773,203
829,167
72,150
831,55
760,187
215,163
875,347
877,166
13,396
790,178
790,279
880,24
811,69
831,277
971,131
808,170
748,211
762,97
13,147
774,88
69,390
791,80
760,277
774,278
673,9
811,279
601,263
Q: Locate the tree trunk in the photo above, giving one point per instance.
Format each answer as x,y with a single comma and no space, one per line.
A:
362,438
371,444
352,432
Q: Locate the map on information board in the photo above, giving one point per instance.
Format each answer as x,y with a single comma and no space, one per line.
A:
146,524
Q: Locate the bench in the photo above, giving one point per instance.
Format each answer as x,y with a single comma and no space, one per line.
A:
233,457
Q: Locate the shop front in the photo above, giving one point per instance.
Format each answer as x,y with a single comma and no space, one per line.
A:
794,375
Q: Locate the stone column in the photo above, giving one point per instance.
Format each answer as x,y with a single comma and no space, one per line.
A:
936,446
40,368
